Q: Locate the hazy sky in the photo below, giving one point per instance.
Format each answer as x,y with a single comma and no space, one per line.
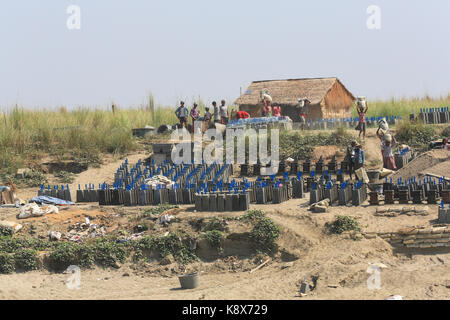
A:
183,49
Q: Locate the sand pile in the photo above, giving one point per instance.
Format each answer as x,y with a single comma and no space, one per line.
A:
423,163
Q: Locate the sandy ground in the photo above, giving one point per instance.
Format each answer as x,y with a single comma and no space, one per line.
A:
337,266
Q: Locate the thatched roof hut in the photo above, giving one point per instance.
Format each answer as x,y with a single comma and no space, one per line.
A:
328,96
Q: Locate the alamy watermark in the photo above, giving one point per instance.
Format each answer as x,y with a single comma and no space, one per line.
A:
73,282
208,147
374,281
374,20
74,20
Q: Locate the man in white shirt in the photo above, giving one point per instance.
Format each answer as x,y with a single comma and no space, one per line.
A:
223,113
216,112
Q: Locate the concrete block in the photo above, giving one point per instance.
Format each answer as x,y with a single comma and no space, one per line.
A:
220,202
228,202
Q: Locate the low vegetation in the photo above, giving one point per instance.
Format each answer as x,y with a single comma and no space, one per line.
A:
416,135
302,144
342,224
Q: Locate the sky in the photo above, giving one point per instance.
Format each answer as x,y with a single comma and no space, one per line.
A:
213,49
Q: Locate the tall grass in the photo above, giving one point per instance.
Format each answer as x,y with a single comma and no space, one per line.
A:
403,107
26,134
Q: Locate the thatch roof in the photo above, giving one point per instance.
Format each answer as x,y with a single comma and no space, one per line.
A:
287,92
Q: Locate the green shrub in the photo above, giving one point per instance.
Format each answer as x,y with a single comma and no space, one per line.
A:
6,263
5,231
264,235
343,223
173,244
253,215
416,135
215,239
446,132
216,224
26,259
301,145
109,253
64,254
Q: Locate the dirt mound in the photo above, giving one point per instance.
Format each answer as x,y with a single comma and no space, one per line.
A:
440,170
421,164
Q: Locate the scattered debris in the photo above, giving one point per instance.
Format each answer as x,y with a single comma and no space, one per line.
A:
165,219
156,181
54,235
260,266
304,288
320,207
33,210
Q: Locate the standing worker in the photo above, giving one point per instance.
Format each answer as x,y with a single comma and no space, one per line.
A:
350,157
361,108
358,157
194,115
302,108
207,119
223,113
276,110
182,114
216,112
267,100
387,145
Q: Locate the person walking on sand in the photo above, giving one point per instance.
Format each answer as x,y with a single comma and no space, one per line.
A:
223,113
194,115
388,143
362,108
182,114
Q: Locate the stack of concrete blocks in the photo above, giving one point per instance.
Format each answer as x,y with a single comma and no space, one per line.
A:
435,115
443,214
316,194
332,193
131,197
280,194
87,195
298,188
63,193
418,196
160,196
345,195
432,196
417,238
219,202
359,195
